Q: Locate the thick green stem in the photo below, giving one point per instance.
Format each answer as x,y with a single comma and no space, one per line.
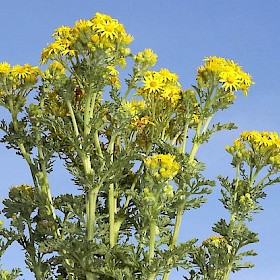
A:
90,212
185,133
152,275
73,118
152,240
112,210
176,227
174,236
44,181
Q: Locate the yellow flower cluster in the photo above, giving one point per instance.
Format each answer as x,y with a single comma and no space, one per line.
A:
246,200
17,78
215,241
114,76
102,32
20,74
259,148
22,189
134,107
226,72
140,123
163,85
5,68
163,167
147,58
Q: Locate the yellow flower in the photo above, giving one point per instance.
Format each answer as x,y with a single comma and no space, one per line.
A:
53,49
227,72
230,80
25,72
134,107
172,93
214,64
20,71
163,166
121,62
217,242
22,189
141,123
257,148
57,66
83,25
152,82
125,39
166,75
63,32
147,57
5,68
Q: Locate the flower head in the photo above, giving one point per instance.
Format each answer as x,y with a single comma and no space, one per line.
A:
226,72
163,167
152,82
147,58
257,148
5,68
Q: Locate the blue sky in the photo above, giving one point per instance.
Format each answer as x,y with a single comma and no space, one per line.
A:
182,33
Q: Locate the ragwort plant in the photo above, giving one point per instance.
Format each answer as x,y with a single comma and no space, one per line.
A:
131,151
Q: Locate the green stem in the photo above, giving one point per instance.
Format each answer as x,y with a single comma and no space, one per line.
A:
73,118
152,276
44,181
152,240
174,236
90,212
21,146
112,210
185,133
131,85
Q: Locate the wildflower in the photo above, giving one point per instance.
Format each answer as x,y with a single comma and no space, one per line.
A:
63,32
172,94
83,25
226,72
152,82
57,67
163,166
25,73
147,57
108,30
230,80
23,189
141,123
134,107
20,71
166,75
214,242
5,68
256,148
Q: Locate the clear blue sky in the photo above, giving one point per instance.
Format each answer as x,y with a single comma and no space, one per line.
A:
182,33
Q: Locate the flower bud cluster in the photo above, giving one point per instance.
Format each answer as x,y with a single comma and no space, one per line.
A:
54,71
246,202
257,148
23,189
145,59
162,167
216,242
